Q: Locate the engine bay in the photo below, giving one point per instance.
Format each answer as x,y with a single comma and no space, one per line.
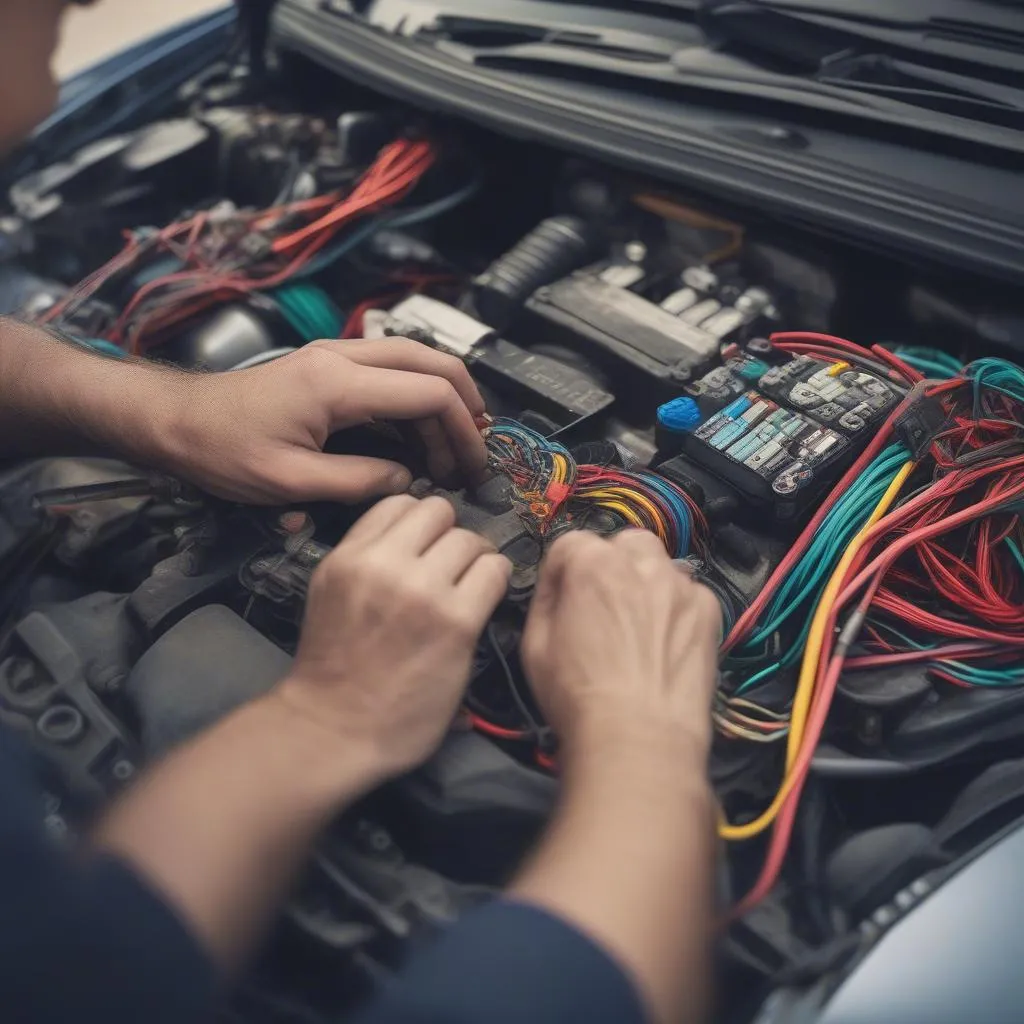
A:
650,359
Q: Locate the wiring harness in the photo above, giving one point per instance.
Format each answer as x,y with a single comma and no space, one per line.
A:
551,493
915,556
222,254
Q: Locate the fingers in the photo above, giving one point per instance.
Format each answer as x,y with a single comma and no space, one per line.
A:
378,520
577,548
401,395
440,459
414,532
641,545
306,475
547,595
452,555
412,356
483,586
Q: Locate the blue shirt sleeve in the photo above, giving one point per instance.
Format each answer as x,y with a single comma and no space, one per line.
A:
509,963
85,940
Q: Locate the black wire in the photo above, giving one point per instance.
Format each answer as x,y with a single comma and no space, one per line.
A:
510,678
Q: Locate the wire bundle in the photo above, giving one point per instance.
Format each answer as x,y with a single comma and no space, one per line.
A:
644,500
542,472
927,573
223,253
802,586
308,309
550,489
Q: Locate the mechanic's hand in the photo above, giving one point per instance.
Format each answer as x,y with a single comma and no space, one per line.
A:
392,620
257,435
617,634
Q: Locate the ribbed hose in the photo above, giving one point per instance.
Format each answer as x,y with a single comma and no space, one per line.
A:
551,250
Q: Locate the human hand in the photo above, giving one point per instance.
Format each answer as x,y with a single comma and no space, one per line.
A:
257,435
617,635
392,620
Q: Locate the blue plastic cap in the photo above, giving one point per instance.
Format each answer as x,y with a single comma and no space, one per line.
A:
679,414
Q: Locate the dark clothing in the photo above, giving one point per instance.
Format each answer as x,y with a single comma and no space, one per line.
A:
509,964
90,941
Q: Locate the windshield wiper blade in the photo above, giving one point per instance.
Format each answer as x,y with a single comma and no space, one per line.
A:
613,30
701,73
967,36
623,49
923,86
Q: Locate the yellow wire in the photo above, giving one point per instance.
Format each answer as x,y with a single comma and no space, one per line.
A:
621,500
809,666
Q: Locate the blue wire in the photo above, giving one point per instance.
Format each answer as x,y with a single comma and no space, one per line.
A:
400,219
809,575
678,507
838,528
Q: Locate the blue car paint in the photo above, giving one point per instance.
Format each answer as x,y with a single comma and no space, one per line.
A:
125,90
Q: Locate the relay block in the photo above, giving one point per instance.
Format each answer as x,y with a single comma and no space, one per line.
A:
777,433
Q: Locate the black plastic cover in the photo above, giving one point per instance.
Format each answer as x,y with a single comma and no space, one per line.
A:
207,665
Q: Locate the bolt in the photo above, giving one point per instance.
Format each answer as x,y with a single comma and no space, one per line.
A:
904,899
123,770
636,251
379,840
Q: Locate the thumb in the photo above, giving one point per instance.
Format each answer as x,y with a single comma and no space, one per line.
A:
315,476
539,619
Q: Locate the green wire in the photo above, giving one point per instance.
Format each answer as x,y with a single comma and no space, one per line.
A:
810,574
827,546
977,676
757,677
1015,551
929,360
308,309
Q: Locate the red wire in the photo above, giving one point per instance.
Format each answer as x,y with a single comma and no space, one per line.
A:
399,166
961,651
869,578
497,731
796,552
906,371
195,288
813,338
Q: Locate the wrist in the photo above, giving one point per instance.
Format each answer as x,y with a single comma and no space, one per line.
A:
340,760
661,746
124,406
139,410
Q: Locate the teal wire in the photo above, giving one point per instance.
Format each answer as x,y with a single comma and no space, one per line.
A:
825,550
1015,551
974,675
929,360
810,574
309,310
996,375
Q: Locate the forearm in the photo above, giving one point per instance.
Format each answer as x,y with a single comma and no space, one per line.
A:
628,859
59,398
220,827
